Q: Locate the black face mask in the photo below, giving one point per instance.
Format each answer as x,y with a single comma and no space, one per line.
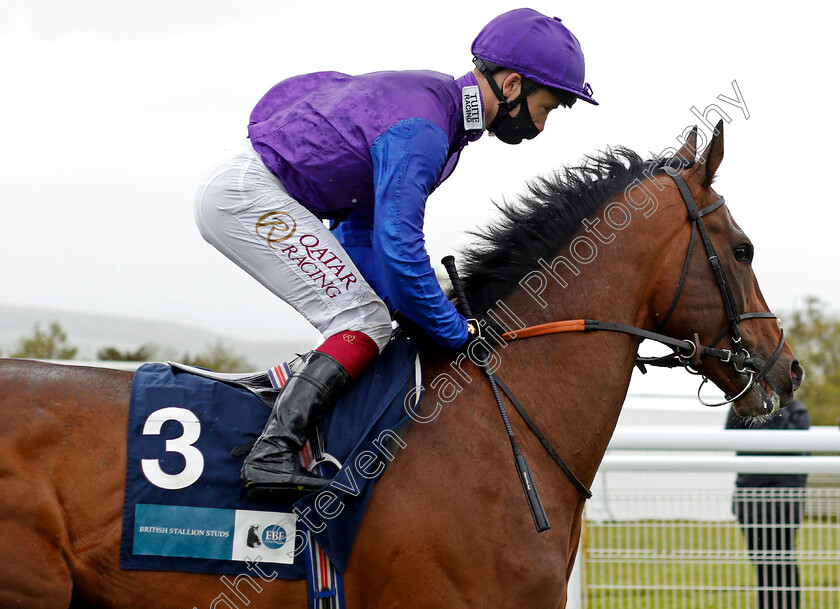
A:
513,129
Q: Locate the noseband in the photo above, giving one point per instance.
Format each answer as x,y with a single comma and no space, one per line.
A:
686,353
741,360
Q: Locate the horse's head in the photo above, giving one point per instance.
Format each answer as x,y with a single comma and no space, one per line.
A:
724,308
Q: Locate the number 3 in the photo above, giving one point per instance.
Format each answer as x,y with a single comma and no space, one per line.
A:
183,444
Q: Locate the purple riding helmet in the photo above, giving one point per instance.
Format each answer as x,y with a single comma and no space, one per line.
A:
542,50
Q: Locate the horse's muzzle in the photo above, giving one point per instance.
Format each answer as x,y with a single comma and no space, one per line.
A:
797,374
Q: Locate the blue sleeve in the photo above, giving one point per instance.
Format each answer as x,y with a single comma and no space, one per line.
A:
355,235
407,162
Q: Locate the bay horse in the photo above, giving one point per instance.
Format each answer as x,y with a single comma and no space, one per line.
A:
447,525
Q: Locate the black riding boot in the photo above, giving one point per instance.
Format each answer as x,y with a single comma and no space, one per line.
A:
308,395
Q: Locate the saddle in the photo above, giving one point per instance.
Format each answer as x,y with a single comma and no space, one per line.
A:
267,386
185,508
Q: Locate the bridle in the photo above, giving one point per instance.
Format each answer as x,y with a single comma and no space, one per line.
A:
687,353
741,360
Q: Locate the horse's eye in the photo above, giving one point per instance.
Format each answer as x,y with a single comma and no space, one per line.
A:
744,252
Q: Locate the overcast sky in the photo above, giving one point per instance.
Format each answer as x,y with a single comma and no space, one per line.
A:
111,111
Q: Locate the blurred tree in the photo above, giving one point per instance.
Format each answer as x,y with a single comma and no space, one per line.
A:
814,335
112,354
219,357
51,344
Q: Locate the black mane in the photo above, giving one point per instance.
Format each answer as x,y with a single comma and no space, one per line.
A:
543,220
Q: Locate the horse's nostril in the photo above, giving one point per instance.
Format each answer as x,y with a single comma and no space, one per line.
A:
796,374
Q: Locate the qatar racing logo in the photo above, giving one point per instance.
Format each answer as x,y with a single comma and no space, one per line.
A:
317,261
276,227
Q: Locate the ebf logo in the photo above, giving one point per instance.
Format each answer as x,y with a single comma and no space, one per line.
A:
274,536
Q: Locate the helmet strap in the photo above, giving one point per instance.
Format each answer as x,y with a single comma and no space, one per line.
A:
528,87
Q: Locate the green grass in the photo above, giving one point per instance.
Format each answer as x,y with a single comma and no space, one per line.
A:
672,564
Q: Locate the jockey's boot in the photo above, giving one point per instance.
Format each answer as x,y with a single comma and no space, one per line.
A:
308,395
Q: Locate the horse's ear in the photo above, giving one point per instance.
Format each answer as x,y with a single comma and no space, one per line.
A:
711,157
688,152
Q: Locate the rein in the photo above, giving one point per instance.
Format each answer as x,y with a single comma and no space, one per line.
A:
531,494
688,353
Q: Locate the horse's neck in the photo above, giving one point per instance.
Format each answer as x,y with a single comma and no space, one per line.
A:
575,383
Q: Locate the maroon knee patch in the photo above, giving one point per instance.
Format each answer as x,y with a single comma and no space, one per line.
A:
353,350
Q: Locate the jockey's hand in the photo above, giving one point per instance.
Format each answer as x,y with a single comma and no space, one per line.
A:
485,335
486,329
474,328
483,329
407,328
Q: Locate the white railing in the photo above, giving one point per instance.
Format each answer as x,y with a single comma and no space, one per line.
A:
660,530
640,437
705,450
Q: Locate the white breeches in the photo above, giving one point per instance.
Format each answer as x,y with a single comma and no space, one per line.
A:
245,212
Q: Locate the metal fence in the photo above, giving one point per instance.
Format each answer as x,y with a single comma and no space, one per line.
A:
670,530
668,562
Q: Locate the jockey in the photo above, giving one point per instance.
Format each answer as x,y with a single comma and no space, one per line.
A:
364,152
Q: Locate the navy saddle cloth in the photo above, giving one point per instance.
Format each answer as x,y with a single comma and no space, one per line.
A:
185,509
